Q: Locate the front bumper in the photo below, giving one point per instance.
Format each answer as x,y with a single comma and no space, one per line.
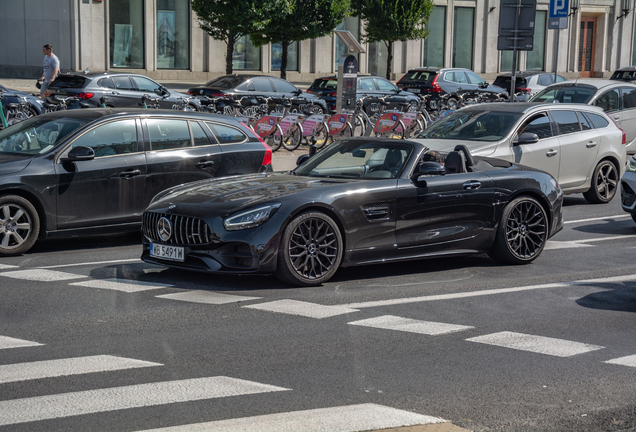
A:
628,192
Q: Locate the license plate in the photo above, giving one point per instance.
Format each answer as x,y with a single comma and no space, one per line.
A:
414,90
171,253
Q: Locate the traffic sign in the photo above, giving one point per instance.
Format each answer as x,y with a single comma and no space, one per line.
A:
559,9
516,25
558,23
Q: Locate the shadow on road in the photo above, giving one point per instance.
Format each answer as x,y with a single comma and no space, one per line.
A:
620,297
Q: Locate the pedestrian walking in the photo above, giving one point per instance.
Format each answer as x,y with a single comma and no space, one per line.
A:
51,66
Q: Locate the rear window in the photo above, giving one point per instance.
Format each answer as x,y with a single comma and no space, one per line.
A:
504,81
421,77
624,75
224,82
69,81
567,94
226,134
325,84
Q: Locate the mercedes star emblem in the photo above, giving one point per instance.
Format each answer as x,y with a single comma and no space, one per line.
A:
164,229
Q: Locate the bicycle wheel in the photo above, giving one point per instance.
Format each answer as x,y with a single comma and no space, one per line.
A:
360,127
322,137
292,141
274,141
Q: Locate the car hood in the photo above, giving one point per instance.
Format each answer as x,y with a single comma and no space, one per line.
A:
224,196
476,148
10,163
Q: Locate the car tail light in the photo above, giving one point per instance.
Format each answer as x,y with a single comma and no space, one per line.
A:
85,95
189,92
436,87
309,91
624,137
333,94
524,90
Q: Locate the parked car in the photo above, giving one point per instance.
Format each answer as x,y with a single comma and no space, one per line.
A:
360,201
327,88
627,74
119,89
617,99
85,171
436,82
628,188
578,144
527,83
238,86
34,102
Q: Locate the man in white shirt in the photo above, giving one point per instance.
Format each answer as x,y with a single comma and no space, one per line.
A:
51,66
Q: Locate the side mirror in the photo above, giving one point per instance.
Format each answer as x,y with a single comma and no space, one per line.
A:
302,159
427,169
79,154
526,138
163,91
297,92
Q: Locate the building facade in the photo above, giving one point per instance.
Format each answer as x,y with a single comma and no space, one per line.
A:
162,39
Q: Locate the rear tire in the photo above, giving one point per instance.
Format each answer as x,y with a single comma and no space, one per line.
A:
604,183
293,141
19,225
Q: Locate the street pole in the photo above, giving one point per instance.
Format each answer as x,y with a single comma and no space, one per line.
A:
556,54
513,78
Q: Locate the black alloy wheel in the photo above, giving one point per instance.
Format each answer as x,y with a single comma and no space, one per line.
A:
310,250
633,216
19,225
522,232
604,183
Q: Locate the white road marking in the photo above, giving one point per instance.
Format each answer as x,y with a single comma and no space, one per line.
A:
295,307
349,418
93,263
551,244
624,361
390,322
8,342
536,344
7,266
41,275
206,297
120,398
125,285
69,366
598,218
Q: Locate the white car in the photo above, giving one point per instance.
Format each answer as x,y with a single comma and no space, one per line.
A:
628,188
578,144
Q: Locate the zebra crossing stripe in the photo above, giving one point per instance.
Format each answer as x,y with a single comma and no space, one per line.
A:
8,342
338,419
389,322
7,266
41,275
125,285
536,344
119,398
295,307
206,297
623,361
65,367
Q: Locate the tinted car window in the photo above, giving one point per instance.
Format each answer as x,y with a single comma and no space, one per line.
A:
567,94
226,134
585,123
545,79
106,83
38,134
122,83
629,97
460,77
539,125
598,121
224,82
283,86
168,134
68,81
624,75
366,84
262,85
145,85
504,81
384,85
567,122
199,136
609,101
473,78
419,76
472,125
326,84
560,79
114,138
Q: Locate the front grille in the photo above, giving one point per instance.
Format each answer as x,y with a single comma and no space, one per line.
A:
185,230
377,212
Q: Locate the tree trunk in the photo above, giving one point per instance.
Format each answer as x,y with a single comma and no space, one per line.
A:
229,53
389,59
283,60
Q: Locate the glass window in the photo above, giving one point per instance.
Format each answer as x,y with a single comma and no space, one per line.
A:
560,79
585,123
460,77
568,94
262,85
434,43
378,53
567,122
366,84
539,125
473,78
609,101
463,37
283,86
353,25
39,134
506,61
226,134
200,138
384,85
535,58
246,56
292,56
545,79
598,121
472,125
126,19
173,34
168,134
629,97
145,84
106,83
115,138
122,83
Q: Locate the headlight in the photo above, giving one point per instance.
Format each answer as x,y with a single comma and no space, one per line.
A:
631,165
250,218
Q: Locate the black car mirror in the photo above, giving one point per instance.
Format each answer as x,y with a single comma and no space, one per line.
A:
163,91
428,168
302,159
79,153
358,153
526,138
484,84
297,92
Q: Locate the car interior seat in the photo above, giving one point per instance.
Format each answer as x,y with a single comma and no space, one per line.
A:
455,163
393,162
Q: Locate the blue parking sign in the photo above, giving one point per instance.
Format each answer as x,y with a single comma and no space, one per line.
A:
559,8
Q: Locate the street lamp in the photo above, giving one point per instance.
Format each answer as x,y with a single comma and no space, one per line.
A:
626,7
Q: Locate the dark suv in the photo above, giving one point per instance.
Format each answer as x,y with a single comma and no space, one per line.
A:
527,83
436,82
627,74
118,89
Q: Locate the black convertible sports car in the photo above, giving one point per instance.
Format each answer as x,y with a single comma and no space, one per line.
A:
360,201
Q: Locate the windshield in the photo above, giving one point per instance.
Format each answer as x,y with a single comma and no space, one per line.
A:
224,82
38,135
473,125
358,159
426,77
325,84
568,94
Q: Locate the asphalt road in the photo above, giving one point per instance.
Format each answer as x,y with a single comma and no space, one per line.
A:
93,339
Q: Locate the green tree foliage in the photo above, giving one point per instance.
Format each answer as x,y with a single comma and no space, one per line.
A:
227,20
288,21
389,21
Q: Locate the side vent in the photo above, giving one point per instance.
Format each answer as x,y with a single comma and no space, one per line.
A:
377,212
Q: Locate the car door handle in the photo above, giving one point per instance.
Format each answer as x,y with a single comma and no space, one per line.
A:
590,144
551,153
204,164
617,118
472,184
129,174
115,93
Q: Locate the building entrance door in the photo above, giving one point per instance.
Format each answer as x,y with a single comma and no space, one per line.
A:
587,40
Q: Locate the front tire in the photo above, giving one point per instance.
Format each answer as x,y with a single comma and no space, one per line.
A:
310,251
19,225
522,232
604,183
